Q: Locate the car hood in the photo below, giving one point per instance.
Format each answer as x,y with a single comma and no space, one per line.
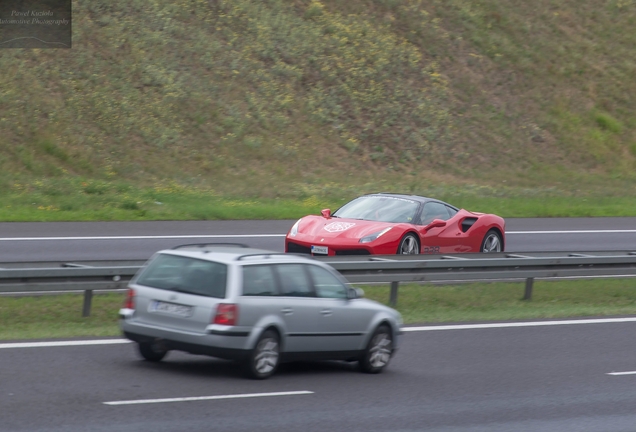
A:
318,226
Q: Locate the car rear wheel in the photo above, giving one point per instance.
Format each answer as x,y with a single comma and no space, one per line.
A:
492,242
152,351
378,352
264,358
409,245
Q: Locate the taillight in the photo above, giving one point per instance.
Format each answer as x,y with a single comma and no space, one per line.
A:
226,314
130,299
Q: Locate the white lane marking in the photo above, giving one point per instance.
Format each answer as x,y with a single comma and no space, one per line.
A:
63,343
143,237
160,237
518,324
574,232
203,398
621,373
405,329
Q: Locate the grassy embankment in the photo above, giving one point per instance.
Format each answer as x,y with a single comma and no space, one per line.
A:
197,109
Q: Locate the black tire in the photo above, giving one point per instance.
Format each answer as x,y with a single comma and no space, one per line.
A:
409,245
264,359
152,351
378,352
492,242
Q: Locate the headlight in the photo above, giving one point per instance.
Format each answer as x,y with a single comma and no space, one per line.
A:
294,230
374,236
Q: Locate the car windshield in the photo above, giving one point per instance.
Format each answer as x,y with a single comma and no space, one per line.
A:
186,275
379,208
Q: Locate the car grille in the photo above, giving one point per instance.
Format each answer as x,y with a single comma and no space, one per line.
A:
296,248
353,252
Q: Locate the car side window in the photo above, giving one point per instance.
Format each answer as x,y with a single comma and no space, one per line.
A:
258,280
432,211
451,211
294,280
327,285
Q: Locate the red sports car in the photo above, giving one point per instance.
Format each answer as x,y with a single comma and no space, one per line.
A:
387,223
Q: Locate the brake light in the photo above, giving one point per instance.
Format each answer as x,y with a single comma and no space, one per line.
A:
226,314
130,299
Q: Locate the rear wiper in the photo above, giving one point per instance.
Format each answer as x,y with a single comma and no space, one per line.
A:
181,290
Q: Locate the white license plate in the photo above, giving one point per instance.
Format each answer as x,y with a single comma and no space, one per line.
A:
171,308
323,250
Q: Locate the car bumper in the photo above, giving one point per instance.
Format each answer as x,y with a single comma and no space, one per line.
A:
351,247
190,347
231,345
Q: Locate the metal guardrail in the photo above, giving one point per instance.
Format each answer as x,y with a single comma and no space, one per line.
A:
483,267
89,276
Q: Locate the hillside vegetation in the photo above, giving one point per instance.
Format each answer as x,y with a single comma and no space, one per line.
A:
162,105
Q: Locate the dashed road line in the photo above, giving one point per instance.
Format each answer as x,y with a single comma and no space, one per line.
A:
622,373
207,398
63,343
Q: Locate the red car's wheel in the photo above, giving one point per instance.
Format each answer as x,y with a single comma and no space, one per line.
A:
409,245
492,242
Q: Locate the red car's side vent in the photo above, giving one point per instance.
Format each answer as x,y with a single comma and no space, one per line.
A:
467,223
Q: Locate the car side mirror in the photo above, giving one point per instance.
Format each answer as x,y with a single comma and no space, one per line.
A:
436,223
354,293
326,213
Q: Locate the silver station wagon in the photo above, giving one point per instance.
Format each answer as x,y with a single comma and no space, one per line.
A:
256,307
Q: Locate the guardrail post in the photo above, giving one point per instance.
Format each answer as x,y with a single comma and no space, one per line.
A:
528,293
88,298
394,294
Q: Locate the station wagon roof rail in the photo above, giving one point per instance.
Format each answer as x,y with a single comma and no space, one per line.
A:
269,255
206,245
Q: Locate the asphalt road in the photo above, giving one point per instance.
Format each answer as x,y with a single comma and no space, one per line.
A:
552,378
52,241
520,379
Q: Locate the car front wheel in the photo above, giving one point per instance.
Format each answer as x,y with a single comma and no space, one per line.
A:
264,358
409,245
378,352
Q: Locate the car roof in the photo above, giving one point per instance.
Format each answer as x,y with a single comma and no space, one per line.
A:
231,253
417,198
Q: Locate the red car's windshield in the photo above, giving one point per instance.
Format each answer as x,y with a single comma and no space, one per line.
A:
380,209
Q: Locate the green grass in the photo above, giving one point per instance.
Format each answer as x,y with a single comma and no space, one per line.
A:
236,101
503,301
47,317
59,316
91,200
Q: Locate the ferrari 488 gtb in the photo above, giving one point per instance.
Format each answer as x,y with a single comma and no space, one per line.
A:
386,224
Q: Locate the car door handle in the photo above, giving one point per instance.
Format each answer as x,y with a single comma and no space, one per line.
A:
287,311
326,312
